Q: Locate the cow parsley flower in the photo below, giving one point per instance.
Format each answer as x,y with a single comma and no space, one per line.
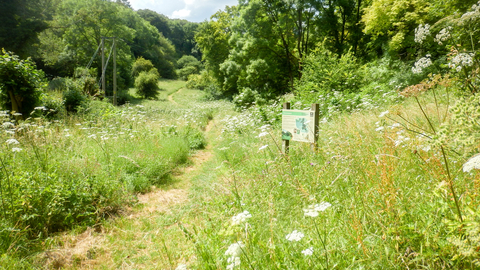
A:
295,236
16,149
308,251
241,218
181,267
12,141
472,163
421,33
461,60
234,251
421,64
443,35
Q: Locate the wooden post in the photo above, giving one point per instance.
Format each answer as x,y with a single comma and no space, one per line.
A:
103,66
114,72
315,108
286,143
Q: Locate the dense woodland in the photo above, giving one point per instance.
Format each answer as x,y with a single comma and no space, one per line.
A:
391,183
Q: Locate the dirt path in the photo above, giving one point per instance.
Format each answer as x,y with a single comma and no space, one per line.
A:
170,97
94,248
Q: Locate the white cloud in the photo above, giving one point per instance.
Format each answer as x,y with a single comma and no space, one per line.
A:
181,14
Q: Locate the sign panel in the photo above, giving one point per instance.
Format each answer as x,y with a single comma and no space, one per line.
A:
298,125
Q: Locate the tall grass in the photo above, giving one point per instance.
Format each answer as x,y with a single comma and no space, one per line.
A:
392,202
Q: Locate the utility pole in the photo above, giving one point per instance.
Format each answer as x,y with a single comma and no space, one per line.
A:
114,72
103,66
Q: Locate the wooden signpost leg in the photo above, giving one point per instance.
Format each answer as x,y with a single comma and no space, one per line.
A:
286,143
315,108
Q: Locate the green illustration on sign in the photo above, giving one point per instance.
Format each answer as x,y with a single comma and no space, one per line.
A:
298,125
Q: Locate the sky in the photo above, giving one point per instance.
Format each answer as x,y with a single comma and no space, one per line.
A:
190,10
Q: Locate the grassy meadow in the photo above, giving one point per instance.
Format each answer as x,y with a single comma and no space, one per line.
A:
383,189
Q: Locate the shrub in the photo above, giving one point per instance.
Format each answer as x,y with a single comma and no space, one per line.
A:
147,84
247,98
141,65
20,83
72,99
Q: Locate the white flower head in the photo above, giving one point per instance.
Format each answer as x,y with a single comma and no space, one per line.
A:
382,114
12,141
472,163
461,60
181,267
262,147
241,218
421,33
295,236
308,251
443,35
16,149
234,251
421,64
262,134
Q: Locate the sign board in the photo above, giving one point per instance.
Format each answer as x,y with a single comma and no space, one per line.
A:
298,125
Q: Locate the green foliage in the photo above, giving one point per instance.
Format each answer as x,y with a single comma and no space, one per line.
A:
73,98
325,72
141,65
20,83
247,98
146,84
195,138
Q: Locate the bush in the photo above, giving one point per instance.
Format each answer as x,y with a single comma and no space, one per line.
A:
72,99
20,83
147,84
247,98
186,71
141,65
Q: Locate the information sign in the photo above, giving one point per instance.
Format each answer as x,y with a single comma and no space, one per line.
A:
298,125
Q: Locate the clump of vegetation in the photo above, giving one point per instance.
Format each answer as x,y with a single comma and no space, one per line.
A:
146,78
21,83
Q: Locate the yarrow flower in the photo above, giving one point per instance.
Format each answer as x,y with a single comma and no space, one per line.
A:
472,163
12,141
295,236
421,33
16,149
461,60
312,210
241,218
308,251
234,251
181,267
422,63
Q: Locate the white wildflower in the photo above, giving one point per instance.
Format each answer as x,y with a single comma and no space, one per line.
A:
322,206
461,60
295,236
308,251
262,147
241,218
181,267
12,141
234,251
8,125
472,163
443,35
16,149
382,114
379,128
262,134
421,33
422,63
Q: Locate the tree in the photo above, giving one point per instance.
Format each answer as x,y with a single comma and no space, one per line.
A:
396,20
20,83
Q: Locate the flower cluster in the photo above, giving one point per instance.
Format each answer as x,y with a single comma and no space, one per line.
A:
295,236
472,163
308,251
421,33
443,35
234,251
461,60
241,218
312,210
475,13
422,63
